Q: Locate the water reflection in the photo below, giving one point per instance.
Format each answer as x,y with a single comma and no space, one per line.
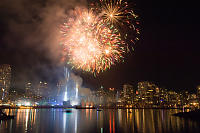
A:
90,120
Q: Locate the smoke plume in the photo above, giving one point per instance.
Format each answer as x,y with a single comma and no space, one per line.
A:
30,33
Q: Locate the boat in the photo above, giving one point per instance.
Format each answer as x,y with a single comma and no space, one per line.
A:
99,109
68,111
7,117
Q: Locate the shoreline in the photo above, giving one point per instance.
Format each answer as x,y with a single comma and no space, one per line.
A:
192,115
64,107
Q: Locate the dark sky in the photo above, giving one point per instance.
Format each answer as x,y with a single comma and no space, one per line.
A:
167,53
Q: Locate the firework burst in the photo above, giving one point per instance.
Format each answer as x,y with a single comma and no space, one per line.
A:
121,15
90,42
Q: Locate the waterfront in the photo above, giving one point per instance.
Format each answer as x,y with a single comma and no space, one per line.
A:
91,120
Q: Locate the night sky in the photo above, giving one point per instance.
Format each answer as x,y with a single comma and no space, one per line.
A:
166,54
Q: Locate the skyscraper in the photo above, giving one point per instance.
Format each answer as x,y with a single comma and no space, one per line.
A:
42,90
5,79
129,92
28,89
148,94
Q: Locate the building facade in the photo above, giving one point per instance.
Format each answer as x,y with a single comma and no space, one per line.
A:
5,81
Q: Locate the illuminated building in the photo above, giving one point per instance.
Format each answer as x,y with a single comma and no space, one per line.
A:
142,89
158,97
14,96
148,94
61,89
172,99
183,98
111,97
5,79
193,101
128,92
101,95
163,97
42,90
28,90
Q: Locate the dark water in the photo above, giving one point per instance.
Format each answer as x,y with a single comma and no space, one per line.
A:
92,121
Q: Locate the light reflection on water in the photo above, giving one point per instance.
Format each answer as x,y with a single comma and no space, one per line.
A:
90,120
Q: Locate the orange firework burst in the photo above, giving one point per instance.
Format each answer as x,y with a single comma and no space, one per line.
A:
91,43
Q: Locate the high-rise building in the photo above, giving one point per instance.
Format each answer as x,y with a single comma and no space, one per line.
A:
111,96
172,98
5,79
101,94
148,94
184,98
129,92
42,90
28,89
162,96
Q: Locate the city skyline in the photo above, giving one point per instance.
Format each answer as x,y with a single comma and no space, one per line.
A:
70,92
99,66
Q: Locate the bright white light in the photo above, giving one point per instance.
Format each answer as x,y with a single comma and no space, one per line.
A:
76,91
65,96
19,104
27,103
107,51
74,102
67,78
